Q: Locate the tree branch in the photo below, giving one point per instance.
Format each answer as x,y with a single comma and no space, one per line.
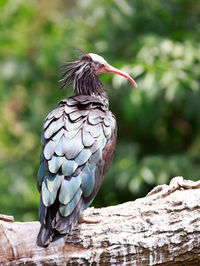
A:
161,229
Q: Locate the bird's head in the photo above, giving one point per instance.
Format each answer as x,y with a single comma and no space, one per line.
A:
100,65
83,74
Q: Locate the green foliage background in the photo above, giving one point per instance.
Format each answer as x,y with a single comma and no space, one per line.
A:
155,41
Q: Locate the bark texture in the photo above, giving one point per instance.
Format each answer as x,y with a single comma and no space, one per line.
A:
161,229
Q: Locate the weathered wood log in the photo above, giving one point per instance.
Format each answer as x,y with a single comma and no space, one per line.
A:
161,229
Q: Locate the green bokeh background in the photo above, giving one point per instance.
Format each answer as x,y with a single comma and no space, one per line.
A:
156,41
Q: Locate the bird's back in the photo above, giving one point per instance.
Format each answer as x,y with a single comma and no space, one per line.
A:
78,143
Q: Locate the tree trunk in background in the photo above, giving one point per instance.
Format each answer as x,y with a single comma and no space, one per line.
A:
161,229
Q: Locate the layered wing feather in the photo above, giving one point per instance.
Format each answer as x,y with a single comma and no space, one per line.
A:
78,144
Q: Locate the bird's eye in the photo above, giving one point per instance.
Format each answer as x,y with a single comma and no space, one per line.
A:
98,65
102,65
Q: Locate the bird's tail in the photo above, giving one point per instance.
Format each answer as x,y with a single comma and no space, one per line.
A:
53,231
47,220
44,236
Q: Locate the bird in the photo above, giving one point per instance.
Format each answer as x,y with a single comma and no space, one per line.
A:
78,143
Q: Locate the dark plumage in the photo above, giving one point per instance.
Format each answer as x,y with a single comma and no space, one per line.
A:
78,142
81,75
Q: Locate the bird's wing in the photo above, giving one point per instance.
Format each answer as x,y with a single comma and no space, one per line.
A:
78,143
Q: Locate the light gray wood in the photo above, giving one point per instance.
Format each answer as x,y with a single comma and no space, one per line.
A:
161,229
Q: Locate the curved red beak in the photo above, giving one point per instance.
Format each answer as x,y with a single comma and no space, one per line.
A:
109,69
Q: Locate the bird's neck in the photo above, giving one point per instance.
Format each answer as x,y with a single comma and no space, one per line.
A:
92,86
83,80
103,98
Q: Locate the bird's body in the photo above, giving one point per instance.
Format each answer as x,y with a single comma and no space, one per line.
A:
78,142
